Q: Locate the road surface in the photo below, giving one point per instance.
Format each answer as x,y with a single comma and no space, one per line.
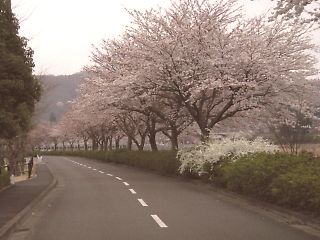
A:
99,201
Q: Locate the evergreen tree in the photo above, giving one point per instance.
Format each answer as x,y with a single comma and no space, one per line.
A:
19,90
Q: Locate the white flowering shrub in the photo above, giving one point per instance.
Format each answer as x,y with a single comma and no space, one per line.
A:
202,159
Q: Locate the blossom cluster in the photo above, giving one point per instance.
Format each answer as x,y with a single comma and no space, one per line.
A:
197,159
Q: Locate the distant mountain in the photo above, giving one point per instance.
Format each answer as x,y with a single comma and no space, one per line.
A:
58,92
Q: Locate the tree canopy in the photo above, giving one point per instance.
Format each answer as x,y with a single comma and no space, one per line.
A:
19,90
191,69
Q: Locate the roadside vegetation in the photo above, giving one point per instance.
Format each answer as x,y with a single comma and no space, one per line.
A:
292,181
257,169
4,179
19,90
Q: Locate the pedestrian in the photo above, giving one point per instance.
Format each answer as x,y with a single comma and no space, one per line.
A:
30,166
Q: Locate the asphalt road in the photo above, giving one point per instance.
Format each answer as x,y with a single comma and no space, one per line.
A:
95,200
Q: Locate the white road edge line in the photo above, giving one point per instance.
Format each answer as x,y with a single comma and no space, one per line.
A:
125,183
101,172
132,191
90,167
109,174
143,203
119,178
94,169
159,221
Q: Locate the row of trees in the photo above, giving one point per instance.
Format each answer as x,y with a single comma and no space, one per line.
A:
198,66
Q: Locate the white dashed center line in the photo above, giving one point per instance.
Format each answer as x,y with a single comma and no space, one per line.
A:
132,191
140,200
143,203
159,221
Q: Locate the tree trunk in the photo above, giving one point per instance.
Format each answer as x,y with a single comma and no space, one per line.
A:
174,143
117,143
94,144
106,145
129,144
143,140
205,134
152,135
174,137
85,145
110,143
101,144
152,141
140,145
11,158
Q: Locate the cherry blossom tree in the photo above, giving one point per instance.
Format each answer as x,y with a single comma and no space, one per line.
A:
38,137
196,62
203,55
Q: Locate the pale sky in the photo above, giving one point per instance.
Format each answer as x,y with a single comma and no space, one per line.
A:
61,32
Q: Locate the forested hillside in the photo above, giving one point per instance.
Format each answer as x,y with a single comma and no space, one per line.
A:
58,92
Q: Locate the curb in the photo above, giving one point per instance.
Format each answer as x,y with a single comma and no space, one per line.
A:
8,228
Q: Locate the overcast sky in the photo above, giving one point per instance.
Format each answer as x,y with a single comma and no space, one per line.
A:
61,32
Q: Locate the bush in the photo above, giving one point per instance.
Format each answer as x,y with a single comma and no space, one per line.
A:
202,160
4,179
299,188
163,162
291,181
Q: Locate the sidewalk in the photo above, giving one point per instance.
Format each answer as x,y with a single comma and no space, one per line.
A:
24,176
19,196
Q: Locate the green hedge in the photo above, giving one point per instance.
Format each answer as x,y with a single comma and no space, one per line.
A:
286,180
4,179
163,162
